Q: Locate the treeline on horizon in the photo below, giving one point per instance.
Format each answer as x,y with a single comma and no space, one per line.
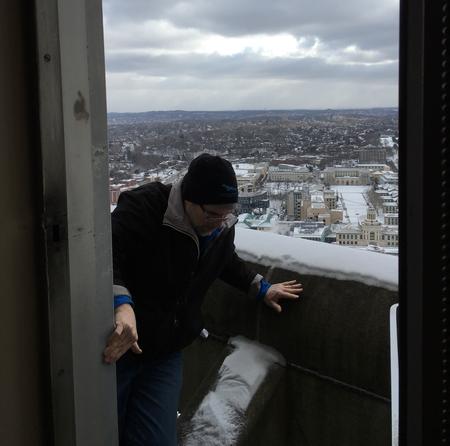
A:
240,114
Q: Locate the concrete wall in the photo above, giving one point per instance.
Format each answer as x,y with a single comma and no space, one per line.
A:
24,389
336,338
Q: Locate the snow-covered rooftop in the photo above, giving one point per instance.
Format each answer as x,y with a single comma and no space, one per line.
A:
243,166
301,232
321,259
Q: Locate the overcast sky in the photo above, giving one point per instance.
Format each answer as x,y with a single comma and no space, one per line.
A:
250,54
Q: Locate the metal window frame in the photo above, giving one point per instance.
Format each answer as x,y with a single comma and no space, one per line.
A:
75,219
424,186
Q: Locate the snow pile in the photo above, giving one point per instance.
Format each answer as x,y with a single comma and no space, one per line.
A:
387,141
220,417
319,259
354,201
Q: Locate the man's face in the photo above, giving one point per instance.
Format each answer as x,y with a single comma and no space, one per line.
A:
205,218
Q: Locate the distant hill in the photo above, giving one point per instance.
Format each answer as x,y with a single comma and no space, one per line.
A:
182,115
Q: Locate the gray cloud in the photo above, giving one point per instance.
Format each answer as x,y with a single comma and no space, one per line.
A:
143,94
249,66
150,48
351,21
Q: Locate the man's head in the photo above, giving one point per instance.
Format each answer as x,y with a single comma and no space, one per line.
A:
209,191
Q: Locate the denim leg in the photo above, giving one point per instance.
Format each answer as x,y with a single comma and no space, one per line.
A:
127,368
153,401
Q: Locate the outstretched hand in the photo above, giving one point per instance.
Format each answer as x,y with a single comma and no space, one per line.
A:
283,290
124,337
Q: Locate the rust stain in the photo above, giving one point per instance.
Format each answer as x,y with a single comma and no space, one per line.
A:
79,108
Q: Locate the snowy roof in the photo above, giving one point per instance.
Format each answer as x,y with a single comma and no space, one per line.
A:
352,230
243,166
303,232
321,259
288,168
390,229
244,173
255,193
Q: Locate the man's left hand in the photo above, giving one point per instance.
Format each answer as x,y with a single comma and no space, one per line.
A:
283,290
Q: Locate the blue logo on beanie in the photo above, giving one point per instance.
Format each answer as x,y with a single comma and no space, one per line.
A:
229,189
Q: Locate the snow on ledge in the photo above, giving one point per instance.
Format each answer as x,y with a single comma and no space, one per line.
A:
318,259
220,417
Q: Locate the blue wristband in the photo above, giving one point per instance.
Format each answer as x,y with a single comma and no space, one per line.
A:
122,299
263,287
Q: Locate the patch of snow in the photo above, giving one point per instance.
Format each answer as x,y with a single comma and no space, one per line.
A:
387,141
319,259
220,417
354,201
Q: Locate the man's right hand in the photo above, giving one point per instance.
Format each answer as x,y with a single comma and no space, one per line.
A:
124,336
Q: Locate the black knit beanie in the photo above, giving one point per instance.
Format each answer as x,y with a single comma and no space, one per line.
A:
210,180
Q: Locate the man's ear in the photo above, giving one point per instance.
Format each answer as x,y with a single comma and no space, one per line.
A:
187,204
189,208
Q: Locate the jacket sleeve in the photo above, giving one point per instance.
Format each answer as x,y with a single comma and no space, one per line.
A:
238,274
131,228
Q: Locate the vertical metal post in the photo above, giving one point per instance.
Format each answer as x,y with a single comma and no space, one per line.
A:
411,220
393,331
76,219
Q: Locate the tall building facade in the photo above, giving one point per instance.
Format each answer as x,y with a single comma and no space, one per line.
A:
287,173
249,201
294,204
346,176
372,155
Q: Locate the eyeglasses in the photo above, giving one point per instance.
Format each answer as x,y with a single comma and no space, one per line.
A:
213,217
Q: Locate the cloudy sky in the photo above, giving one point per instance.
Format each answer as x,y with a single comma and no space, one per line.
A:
250,54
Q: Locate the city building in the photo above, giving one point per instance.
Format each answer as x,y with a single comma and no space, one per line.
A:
330,198
373,167
294,202
368,232
389,178
390,207
317,206
248,201
249,176
391,219
289,173
310,230
372,154
266,222
346,176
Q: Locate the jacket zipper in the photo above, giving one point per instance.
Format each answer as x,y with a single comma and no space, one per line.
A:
192,237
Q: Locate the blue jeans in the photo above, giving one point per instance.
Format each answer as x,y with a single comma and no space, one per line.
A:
147,398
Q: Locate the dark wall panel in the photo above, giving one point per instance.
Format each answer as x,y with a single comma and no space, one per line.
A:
22,342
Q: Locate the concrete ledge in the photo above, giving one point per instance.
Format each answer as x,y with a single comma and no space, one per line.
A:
335,338
306,410
337,328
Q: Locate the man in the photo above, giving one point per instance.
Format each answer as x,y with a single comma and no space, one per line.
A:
169,244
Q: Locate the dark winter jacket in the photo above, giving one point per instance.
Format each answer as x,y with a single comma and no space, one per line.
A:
157,261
